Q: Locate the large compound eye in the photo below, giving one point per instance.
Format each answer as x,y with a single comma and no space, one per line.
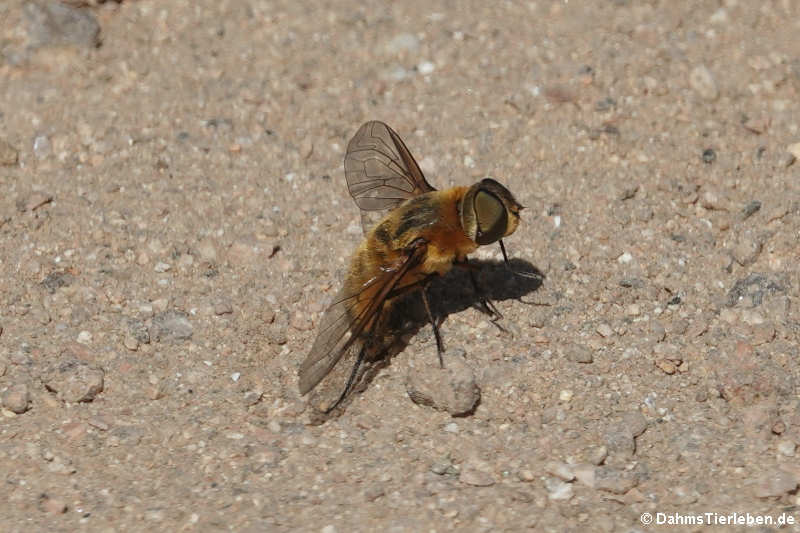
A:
491,216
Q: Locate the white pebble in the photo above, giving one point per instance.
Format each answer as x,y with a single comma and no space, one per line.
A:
786,447
794,149
402,42
558,490
426,67
452,427
605,330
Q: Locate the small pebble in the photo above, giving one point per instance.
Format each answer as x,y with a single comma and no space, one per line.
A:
526,475
74,381
747,249
58,24
720,16
702,81
775,483
476,473
579,354
558,490
171,326
786,447
666,366
585,474
794,150
223,308
130,342
440,468
757,125
605,104
207,251
99,423
614,480
714,201
560,470
16,398
9,156
41,147
426,67
402,42
160,305
750,209
301,321
598,455
373,493
635,422
53,505
605,330
620,441
452,388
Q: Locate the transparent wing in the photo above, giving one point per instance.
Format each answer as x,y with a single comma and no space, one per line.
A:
342,334
341,325
381,172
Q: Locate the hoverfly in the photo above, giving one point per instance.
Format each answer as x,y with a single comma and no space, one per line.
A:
413,233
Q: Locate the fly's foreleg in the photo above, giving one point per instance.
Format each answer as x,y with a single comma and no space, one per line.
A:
423,285
486,305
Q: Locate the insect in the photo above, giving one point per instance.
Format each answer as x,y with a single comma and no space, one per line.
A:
413,233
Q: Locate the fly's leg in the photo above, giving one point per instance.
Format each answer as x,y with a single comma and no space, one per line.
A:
423,286
517,272
486,305
350,380
439,345
362,353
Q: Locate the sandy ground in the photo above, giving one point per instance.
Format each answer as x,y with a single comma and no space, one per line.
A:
174,219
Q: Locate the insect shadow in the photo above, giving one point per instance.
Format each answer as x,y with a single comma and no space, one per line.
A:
448,295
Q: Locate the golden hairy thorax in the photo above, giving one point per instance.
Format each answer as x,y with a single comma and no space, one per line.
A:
432,216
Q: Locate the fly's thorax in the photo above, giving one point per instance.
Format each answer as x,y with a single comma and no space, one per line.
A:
404,224
488,212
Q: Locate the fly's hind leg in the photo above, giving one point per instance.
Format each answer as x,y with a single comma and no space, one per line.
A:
439,345
366,346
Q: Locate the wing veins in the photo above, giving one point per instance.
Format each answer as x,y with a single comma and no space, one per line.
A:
381,172
356,326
